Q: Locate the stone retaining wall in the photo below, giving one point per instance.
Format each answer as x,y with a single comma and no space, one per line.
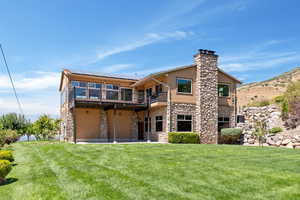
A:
272,115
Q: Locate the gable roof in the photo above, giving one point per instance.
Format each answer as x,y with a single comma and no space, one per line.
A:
97,75
137,81
177,69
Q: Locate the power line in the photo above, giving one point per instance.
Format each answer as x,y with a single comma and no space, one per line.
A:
11,81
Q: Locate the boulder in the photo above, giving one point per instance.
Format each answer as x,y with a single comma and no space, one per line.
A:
278,143
286,141
290,145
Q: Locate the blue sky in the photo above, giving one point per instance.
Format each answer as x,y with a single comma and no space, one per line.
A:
255,40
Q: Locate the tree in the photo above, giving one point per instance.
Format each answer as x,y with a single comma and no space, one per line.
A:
45,127
13,121
260,131
290,105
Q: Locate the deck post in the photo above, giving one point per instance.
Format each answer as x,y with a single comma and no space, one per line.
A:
114,123
148,119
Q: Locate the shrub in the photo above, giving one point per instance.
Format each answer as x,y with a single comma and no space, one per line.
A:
185,138
279,99
5,168
6,155
230,135
8,136
275,130
231,131
259,103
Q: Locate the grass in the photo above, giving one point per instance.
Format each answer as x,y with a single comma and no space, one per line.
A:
152,171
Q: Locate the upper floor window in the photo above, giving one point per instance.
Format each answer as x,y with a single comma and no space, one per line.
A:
126,94
79,84
95,85
223,90
184,86
112,92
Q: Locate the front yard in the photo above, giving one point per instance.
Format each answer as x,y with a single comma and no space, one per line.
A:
151,171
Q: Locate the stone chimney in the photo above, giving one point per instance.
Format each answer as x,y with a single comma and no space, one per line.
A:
207,96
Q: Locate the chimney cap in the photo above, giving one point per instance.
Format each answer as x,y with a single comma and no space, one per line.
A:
206,52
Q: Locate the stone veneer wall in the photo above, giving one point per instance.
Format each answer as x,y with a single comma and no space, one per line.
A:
158,136
103,124
207,97
183,109
134,125
228,111
69,126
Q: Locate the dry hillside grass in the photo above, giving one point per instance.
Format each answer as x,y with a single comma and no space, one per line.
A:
266,90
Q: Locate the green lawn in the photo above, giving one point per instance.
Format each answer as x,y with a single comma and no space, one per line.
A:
152,171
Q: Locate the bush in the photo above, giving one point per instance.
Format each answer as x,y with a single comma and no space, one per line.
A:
230,135
259,103
185,138
6,155
231,131
5,168
275,130
279,99
8,136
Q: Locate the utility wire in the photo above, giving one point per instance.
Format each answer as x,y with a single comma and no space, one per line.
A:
11,81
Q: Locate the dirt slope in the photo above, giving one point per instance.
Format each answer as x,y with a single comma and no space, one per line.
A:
266,90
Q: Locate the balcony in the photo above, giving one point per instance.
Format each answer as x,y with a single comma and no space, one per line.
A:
159,99
102,97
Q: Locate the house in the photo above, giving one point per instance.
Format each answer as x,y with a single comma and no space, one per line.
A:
196,98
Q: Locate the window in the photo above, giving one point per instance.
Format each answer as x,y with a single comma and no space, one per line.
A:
223,119
184,123
223,90
94,90
95,85
75,83
184,86
112,92
78,84
80,89
223,122
146,124
158,89
141,96
126,94
158,123
80,92
149,92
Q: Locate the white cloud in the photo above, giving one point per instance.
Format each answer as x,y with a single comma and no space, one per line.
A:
260,57
148,39
39,80
34,105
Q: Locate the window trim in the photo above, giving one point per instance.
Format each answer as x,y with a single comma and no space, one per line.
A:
192,127
229,92
187,79
162,123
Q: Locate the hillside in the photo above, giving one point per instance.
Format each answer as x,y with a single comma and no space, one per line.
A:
266,90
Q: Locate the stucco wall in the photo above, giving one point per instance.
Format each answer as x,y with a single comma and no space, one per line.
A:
87,123
125,122
189,73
